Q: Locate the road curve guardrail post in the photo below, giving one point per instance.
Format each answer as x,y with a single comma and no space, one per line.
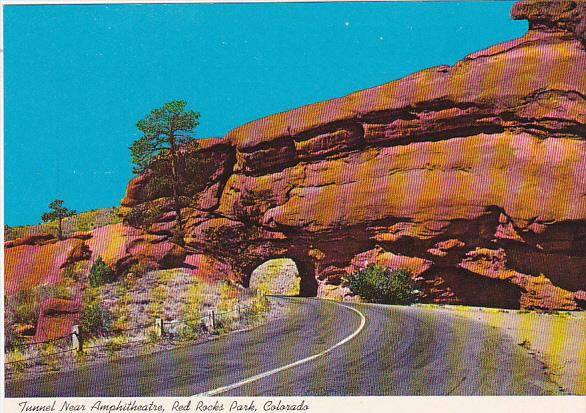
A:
77,338
159,327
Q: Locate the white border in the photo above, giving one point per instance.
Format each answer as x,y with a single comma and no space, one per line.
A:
444,404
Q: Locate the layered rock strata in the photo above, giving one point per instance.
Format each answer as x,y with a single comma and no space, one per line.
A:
472,176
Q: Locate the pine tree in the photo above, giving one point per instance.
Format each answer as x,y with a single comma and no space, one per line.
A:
164,130
58,213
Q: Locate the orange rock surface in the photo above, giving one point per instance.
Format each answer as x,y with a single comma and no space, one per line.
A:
56,319
487,154
28,266
437,170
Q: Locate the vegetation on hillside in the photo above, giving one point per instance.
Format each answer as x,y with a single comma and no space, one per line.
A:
84,221
94,318
119,315
22,308
379,284
100,273
57,213
164,130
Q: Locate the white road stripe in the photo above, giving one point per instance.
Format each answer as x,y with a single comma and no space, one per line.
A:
224,389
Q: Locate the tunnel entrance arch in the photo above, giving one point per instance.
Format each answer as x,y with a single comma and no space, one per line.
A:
283,276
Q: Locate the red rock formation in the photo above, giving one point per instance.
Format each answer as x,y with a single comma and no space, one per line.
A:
121,247
28,266
487,155
56,319
206,269
437,168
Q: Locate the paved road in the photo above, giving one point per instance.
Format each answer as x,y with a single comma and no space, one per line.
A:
388,351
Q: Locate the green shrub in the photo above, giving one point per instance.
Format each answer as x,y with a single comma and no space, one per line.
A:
153,336
74,271
228,298
140,268
381,285
95,319
48,357
155,309
194,297
61,290
222,326
85,221
100,273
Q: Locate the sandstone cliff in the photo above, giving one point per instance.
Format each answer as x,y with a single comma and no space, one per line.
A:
473,176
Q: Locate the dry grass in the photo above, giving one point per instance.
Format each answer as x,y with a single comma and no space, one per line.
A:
84,221
173,295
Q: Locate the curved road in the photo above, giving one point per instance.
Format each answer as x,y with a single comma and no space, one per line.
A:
320,348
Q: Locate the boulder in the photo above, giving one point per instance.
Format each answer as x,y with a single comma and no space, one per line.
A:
56,319
538,292
122,248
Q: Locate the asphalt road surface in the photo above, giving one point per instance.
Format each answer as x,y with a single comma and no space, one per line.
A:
320,348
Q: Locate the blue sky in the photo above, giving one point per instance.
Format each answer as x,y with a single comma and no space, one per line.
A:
77,78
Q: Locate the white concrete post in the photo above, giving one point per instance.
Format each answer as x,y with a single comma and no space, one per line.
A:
159,327
77,338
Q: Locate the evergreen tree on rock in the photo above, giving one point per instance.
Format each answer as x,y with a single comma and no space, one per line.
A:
164,131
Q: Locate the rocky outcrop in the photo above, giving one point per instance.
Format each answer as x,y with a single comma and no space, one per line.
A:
438,171
56,319
553,16
472,176
29,265
32,264
41,261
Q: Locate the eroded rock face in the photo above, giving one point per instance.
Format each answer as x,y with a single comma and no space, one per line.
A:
547,15
487,155
440,172
56,319
29,265
36,262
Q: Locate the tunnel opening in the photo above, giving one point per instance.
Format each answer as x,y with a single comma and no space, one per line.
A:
283,276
